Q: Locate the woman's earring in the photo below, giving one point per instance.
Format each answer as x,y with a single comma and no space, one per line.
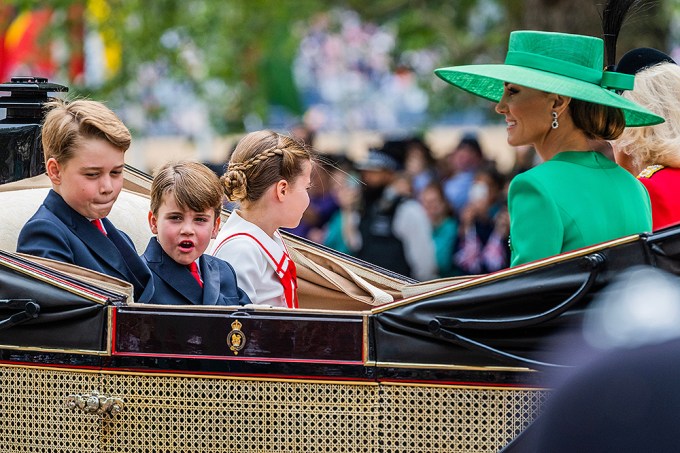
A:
554,124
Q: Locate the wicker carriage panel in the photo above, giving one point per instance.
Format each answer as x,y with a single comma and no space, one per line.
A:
210,415
178,414
34,418
454,419
206,414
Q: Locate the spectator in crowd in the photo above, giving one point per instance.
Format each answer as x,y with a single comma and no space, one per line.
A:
322,204
394,229
652,153
484,226
526,158
463,162
576,197
444,227
347,74
419,165
341,233
304,133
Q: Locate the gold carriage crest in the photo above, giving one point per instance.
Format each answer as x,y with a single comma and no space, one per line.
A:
236,339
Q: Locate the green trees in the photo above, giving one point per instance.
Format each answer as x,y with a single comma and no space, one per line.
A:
235,56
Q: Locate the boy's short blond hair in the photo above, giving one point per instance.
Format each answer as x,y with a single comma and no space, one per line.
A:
68,123
193,185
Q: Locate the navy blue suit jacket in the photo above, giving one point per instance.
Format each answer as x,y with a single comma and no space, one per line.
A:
58,232
174,284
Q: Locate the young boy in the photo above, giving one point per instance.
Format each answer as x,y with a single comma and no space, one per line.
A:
186,201
84,144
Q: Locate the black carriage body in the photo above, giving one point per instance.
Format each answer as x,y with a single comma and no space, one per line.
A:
448,370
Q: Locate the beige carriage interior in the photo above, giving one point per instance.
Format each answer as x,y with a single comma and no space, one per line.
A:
327,281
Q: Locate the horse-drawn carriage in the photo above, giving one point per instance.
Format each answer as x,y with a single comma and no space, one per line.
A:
372,361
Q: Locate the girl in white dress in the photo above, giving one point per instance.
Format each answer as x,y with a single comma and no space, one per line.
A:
269,174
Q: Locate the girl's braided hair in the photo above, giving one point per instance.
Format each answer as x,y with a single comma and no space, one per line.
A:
261,159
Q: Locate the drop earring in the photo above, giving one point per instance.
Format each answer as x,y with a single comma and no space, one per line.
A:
554,124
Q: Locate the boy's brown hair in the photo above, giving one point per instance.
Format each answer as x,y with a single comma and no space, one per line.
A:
193,185
68,123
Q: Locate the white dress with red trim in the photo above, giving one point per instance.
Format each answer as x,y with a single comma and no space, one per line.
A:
263,267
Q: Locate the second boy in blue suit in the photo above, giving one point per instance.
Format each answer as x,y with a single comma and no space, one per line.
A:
186,201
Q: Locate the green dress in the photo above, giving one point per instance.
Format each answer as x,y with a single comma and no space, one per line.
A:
574,200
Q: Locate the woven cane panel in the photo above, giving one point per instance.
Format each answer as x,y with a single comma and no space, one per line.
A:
176,414
33,416
452,420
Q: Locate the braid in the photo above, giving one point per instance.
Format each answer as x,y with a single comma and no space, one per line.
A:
235,185
256,159
260,159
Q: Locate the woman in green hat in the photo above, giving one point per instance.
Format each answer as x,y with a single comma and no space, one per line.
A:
555,96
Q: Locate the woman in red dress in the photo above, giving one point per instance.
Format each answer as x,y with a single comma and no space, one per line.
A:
652,153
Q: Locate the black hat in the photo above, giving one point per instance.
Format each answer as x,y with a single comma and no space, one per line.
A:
641,58
378,160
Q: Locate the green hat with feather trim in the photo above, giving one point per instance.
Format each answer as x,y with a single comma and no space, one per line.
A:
560,63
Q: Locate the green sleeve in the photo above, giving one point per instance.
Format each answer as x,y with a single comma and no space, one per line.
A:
536,229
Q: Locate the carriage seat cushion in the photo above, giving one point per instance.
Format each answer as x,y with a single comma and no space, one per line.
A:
129,214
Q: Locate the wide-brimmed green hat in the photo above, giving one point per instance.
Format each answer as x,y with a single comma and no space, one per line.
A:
560,63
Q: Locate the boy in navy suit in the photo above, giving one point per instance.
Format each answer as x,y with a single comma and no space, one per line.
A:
84,144
186,201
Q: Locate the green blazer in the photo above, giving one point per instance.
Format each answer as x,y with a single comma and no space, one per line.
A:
574,200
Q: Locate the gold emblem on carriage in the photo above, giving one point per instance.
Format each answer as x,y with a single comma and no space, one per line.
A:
236,339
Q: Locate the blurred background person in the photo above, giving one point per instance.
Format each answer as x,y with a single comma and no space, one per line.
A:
395,232
341,233
462,162
419,165
444,227
484,226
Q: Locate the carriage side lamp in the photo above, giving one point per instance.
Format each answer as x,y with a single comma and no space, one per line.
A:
20,131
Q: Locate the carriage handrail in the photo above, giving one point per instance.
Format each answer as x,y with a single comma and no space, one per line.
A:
595,262
31,310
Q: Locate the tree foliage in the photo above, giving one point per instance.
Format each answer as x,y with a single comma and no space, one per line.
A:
235,54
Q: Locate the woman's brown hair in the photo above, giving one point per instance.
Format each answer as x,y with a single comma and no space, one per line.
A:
596,120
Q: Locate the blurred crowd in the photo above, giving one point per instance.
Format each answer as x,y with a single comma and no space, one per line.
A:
348,78
404,210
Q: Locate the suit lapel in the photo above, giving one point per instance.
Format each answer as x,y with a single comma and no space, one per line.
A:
173,274
108,253
210,274
130,260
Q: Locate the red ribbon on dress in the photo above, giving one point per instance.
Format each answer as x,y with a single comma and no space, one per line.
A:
288,280
287,277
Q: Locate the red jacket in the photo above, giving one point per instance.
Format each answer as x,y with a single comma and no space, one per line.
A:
663,185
